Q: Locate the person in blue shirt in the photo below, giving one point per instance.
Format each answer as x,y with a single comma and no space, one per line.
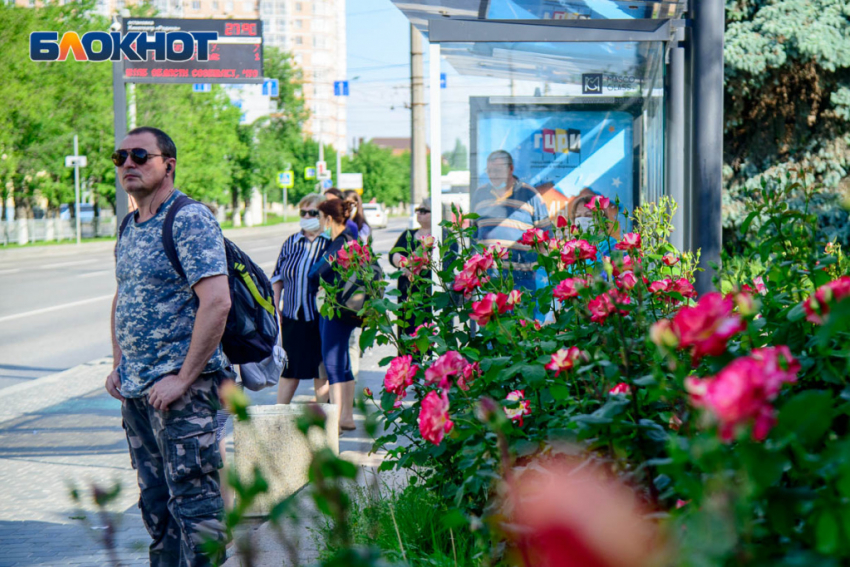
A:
507,208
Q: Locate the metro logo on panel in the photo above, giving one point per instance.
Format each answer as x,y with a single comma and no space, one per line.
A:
112,46
557,141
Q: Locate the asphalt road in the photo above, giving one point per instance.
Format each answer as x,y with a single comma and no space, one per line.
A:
55,300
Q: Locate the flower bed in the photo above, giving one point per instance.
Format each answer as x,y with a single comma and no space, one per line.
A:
726,416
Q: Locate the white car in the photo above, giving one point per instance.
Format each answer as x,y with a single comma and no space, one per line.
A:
375,215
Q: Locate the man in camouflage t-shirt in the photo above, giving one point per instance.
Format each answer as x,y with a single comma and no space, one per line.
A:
167,355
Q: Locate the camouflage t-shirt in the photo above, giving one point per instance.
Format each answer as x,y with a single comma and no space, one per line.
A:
156,309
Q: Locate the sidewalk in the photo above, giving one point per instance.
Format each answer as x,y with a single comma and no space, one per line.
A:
65,429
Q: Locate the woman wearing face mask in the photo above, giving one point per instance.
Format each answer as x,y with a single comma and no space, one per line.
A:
299,317
410,241
336,332
579,215
364,231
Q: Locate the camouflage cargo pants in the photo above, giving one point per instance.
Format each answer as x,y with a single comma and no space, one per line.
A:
176,456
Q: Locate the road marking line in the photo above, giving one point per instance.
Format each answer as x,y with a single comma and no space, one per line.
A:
267,265
56,307
66,264
93,274
12,271
252,250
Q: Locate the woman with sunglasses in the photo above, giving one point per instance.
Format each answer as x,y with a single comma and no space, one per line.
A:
364,231
409,242
299,316
336,332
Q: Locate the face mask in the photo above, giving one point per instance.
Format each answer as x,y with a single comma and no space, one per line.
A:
500,186
584,223
310,225
327,232
353,213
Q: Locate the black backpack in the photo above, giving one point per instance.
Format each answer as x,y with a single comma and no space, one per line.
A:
252,326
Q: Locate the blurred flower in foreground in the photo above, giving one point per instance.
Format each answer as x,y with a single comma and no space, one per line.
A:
818,305
569,516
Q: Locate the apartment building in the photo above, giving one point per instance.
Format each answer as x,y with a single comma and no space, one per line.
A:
312,30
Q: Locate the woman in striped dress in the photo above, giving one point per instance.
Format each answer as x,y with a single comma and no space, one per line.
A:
299,316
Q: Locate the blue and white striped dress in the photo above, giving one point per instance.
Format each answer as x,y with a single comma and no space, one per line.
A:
297,256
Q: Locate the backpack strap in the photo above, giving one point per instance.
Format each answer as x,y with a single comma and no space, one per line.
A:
124,224
168,233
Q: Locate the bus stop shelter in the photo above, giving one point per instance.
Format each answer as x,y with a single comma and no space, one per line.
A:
624,98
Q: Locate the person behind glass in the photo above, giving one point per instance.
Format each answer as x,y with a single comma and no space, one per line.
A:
409,241
364,231
334,193
579,214
299,316
507,208
335,333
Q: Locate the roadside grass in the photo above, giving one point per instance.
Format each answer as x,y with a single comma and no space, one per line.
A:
55,242
406,524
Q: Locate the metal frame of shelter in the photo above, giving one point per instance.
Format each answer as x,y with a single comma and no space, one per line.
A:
694,99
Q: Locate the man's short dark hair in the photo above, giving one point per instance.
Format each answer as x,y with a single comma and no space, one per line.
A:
163,141
335,192
503,155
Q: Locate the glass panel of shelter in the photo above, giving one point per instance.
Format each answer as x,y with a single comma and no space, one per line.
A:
570,120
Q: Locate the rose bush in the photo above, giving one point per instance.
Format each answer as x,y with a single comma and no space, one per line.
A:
735,404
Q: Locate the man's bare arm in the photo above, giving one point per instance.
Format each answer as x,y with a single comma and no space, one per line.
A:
213,306
113,381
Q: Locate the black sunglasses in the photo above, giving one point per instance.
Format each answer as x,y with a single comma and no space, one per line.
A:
139,155
312,213
423,211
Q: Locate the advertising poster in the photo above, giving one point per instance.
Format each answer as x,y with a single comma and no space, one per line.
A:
580,9
560,152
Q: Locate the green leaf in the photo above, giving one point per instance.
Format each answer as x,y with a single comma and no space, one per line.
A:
764,467
367,338
797,313
559,391
808,415
826,533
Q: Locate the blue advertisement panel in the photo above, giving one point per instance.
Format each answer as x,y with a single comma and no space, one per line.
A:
581,9
560,151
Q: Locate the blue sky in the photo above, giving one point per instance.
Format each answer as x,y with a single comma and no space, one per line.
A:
378,37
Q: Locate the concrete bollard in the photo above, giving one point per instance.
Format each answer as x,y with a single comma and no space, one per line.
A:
271,440
49,234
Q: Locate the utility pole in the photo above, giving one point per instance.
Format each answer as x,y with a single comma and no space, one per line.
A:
119,110
77,185
707,53
418,149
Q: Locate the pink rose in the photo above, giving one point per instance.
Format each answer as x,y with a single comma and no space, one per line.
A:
470,372
400,375
683,287
565,359
760,287
670,259
445,366
627,280
567,289
818,305
741,393
434,420
575,250
600,308
479,262
483,310
467,282
523,323
524,408
630,242
496,251
598,203
660,286
621,388
707,326
562,222
533,237
507,302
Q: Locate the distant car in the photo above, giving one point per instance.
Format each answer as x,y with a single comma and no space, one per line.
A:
86,212
376,215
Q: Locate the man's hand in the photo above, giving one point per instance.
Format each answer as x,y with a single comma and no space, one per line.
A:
167,391
113,382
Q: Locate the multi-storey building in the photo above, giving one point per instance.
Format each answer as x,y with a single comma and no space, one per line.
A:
312,30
